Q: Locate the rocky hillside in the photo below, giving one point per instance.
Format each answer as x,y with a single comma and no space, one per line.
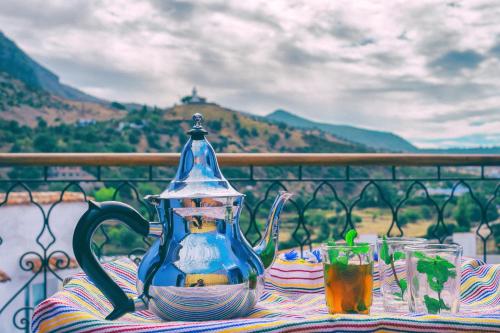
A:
163,130
236,132
25,105
22,67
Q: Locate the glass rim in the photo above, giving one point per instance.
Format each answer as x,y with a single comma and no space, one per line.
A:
400,240
344,245
434,247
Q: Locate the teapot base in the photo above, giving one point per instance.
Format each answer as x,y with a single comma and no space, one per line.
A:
204,303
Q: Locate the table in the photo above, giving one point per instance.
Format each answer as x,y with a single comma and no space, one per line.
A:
293,301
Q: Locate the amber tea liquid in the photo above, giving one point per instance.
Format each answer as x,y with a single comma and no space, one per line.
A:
348,288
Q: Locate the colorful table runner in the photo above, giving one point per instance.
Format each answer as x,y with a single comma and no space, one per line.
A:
293,302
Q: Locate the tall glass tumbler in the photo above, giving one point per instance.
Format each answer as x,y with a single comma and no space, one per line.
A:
392,271
434,278
348,274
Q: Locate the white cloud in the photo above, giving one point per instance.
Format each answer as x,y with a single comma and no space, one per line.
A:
419,69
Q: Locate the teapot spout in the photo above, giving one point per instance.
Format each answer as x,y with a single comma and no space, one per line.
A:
267,248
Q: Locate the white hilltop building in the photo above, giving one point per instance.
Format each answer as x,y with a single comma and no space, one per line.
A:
194,98
21,222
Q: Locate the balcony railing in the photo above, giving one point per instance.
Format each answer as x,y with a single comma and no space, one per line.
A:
412,194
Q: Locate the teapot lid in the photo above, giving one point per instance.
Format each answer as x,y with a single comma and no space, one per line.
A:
198,174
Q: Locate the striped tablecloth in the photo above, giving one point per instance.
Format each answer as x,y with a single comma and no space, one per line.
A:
293,302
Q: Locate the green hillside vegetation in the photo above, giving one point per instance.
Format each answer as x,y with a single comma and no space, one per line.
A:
164,130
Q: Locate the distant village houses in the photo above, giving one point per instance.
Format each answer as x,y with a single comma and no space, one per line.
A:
73,173
69,173
125,124
85,122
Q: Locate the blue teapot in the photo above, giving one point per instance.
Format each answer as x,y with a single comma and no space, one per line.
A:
200,266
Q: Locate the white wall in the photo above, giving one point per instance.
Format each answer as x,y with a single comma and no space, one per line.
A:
19,228
468,242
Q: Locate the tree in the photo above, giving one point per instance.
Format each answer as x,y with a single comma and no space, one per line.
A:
492,213
273,139
441,232
118,106
282,126
121,147
409,215
42,123
215,125
186,99
465,212
337,223
243,132
426,212
13,126
462,214
45,143
134,137
324,232
154,140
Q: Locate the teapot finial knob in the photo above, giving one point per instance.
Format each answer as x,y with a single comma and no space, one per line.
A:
198,119
197,132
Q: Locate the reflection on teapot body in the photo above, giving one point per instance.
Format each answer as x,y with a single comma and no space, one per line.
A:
200,267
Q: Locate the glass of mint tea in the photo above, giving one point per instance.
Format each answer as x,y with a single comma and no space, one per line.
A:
348,273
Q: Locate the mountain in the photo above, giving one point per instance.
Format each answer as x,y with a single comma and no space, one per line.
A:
375,139
29,92
22,67
38,113
33,99
475,150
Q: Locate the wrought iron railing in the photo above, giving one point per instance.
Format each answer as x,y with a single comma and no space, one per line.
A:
334,192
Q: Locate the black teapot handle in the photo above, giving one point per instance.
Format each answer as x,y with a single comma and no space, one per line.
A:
88,223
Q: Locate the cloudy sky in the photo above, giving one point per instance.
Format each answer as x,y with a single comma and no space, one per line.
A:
426,70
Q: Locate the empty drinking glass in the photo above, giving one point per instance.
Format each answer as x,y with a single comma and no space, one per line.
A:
434,278
392,271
